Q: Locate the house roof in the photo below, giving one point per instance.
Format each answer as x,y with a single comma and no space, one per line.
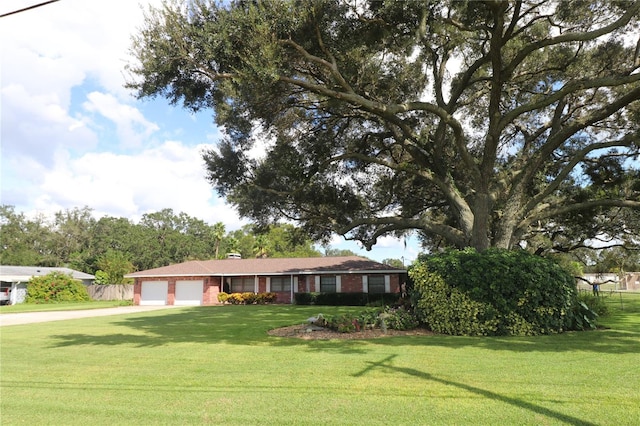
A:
269,266
25,273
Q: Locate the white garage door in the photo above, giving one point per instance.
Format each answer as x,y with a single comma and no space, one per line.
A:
189,293
154,292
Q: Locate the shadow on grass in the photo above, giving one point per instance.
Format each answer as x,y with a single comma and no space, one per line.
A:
248,325
386,363
235,325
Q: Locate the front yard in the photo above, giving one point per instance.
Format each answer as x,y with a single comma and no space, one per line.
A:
218,365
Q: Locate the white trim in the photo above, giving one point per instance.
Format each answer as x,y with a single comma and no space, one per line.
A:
387,284
268,284
338,284
365,284
317,282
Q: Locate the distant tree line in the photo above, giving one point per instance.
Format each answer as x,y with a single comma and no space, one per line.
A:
110,247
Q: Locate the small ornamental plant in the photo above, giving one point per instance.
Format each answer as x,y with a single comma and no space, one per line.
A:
387,318
247,298
56,287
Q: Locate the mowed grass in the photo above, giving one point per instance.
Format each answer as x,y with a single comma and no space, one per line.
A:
217,365
62,306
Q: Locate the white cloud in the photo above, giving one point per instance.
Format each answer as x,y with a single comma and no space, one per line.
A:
76,41
168,176
36,125
132,127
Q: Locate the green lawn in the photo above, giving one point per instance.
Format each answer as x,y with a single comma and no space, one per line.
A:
217,365
63,306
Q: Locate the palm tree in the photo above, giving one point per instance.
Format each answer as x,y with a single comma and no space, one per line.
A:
218,235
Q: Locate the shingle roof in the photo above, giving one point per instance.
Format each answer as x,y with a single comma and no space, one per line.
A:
24,273
269,266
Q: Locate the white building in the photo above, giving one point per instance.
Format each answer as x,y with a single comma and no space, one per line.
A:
14,280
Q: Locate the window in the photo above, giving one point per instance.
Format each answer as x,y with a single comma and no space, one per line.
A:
281,284
243,285
327,284
376,283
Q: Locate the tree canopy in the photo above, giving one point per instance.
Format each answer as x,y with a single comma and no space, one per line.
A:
473,123
111,247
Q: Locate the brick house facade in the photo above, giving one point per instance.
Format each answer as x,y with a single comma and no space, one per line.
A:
200,282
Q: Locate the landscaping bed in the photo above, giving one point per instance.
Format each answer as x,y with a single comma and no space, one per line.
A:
311,332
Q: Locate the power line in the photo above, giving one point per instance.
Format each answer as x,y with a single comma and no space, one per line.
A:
27,8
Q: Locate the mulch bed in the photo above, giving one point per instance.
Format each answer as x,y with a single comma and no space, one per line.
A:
311,332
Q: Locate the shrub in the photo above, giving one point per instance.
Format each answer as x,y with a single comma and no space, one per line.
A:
595,303
236,299
497,292
346,299
447,310
247,298
387,318
398,318
583,317
303,298
266,298
56,287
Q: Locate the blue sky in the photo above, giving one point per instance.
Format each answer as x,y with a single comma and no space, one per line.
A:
73,136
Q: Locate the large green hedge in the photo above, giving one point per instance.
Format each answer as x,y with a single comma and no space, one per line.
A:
496,292
56,287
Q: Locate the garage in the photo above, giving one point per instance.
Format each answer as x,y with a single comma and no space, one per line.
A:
154,292
189,293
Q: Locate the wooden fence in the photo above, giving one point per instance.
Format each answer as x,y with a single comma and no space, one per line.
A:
111,292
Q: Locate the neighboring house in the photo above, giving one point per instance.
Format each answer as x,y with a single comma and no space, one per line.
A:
199,282
627,281
14,279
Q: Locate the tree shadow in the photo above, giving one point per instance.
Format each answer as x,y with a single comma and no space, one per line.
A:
236,325
386,363
597,341
248,325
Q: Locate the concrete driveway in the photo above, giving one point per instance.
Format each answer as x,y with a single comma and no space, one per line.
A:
33,317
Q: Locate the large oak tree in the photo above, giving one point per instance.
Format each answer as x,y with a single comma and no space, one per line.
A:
473,123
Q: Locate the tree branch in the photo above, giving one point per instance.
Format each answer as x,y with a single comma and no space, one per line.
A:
547,211
573,36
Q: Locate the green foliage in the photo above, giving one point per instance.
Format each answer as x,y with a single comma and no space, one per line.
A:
396,263
281,240
583,317
56,287
379,128
114,265
384,318
398,318
112,247
595,303
101,278
345,299
448,310
497,292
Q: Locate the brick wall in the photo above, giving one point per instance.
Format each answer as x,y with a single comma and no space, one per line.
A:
351,283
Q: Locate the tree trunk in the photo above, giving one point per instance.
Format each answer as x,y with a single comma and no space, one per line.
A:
481,217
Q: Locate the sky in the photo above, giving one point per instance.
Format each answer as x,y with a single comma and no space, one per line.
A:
72,135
